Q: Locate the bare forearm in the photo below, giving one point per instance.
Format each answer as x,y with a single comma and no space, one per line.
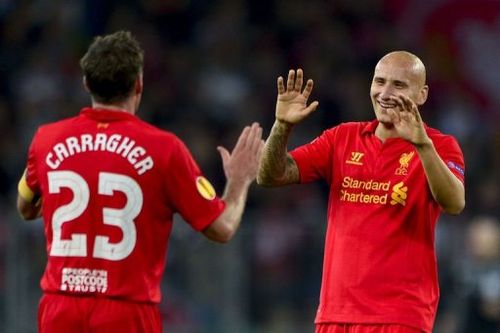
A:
28,210
235,197
240,168
226,225
277,167
446,189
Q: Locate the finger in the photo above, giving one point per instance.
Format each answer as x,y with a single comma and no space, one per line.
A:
299,80
394,116
224,154
308,89
290,82
414,111
257,138
409,104
243,138
418,117
251,135
311,108
254,137
412,108
399,102
281,86
406,116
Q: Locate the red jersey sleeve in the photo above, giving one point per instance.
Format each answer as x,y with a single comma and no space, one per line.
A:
450,152
190,194
314,159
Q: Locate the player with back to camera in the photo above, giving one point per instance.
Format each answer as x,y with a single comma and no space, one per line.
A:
107,185
389,180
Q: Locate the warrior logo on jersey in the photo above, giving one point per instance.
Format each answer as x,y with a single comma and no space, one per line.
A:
356,157
404,163
205,188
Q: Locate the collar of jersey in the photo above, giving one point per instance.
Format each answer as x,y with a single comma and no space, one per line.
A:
101,114
372,126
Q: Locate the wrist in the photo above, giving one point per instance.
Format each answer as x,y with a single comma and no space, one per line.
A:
282,127
424,146
283,123
236,188
238,184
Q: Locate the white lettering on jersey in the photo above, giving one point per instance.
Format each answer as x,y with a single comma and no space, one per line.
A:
115,143
122,218
84,280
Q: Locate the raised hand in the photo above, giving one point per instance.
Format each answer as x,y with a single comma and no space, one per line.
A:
240,168
408,122
291,104
242,163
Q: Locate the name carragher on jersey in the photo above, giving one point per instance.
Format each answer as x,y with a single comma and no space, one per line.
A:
114,143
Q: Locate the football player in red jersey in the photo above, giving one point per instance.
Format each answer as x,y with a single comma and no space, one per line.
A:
107,185
389,179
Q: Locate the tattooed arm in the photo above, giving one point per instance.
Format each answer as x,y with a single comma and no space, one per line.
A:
277,167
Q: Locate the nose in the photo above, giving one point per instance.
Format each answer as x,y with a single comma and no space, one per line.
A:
386,92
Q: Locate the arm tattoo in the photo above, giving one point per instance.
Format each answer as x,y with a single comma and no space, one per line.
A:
277,167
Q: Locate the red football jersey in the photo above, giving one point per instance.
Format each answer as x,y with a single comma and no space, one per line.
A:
110,184
379,262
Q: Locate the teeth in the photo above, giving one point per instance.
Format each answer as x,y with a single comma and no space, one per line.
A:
387,106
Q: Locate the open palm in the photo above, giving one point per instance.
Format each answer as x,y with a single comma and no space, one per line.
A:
291,104
408,122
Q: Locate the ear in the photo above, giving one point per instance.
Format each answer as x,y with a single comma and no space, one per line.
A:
422,96
139,85
85,85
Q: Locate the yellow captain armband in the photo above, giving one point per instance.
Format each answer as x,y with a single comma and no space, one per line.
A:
23,189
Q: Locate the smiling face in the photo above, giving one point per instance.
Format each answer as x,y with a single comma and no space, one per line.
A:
397,73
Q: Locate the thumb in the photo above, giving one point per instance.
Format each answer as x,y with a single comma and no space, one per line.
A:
224,154
311,108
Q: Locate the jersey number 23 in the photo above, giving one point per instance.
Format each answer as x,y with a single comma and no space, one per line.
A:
122,218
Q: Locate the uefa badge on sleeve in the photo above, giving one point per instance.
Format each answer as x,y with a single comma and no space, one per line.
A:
205,189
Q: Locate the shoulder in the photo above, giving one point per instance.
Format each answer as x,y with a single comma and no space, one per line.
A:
340,133
439,138
162,142
348,128
157,133
50,130
353,126
446,145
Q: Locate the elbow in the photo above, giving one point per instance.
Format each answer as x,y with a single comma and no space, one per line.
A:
265,180
220,232
455,209
261,180
28,215
224,236
27,212
223,240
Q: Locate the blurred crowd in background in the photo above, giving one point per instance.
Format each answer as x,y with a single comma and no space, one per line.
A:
210,69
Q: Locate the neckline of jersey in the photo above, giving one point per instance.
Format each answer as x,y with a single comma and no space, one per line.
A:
102,114
372,126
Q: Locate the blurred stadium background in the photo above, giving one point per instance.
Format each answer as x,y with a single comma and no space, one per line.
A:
210,69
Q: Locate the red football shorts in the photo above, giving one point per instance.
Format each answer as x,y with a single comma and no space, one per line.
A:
62,314
365,328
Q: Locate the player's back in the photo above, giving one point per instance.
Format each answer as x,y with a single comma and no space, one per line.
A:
103,177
